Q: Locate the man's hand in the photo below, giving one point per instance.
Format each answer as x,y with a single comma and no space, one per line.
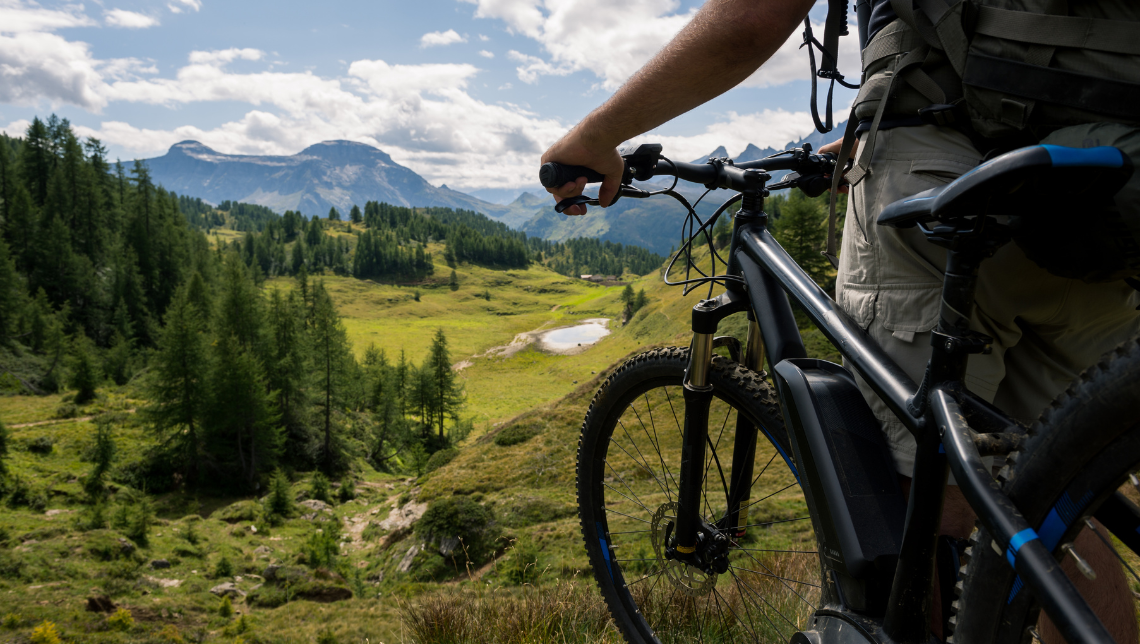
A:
833,148
573,150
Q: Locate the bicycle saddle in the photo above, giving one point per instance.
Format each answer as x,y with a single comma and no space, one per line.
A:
1016,182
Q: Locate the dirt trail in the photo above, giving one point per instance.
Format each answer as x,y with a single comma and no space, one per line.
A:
56,421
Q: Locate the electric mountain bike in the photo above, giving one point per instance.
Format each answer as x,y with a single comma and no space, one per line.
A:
719,503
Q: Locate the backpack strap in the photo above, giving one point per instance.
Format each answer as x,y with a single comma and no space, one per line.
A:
903,66
1113,36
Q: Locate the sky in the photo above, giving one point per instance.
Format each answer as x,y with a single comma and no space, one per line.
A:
467,93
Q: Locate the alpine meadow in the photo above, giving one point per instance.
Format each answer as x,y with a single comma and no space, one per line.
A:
221,423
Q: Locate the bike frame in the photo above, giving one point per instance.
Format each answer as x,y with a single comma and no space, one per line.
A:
947,421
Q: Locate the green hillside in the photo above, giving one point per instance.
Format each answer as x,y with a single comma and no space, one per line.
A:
345,431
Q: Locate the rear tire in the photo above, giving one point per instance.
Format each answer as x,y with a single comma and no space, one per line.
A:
1080,451
628,459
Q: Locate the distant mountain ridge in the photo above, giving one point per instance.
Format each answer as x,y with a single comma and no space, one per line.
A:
322,176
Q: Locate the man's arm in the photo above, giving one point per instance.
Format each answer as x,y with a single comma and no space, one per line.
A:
724,43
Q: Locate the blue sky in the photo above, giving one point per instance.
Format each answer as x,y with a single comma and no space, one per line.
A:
465,92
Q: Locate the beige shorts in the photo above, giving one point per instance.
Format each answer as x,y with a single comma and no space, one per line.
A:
1046,329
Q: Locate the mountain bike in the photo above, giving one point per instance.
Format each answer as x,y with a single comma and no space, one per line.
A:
719,503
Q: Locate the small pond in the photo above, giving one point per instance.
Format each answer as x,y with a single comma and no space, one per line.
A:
573,336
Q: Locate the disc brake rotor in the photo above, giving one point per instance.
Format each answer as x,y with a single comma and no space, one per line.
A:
689,580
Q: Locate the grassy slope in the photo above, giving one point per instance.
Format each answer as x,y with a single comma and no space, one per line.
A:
529,485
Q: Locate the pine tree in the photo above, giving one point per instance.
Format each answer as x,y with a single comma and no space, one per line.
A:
179,390
331,354
288,372
85,372
442,389
11,294
334,215
800,230
102,456
453,282
244,435
355,214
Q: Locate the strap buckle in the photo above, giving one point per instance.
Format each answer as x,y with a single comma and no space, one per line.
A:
951,115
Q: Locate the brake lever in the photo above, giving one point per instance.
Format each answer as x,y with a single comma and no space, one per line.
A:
625,191
575,201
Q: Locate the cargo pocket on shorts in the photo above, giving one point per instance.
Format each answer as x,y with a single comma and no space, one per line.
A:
858,301
908,309
938,172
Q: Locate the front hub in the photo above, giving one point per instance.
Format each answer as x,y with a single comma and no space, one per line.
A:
693,573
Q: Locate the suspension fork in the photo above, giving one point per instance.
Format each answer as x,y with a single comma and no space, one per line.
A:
698,393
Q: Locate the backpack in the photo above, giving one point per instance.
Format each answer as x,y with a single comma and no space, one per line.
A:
1009,73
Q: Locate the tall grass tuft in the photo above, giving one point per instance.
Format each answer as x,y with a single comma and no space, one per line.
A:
562,613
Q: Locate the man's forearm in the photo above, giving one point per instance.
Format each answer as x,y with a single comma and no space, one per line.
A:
724,43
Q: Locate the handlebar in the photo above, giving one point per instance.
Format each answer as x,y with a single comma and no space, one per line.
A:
811,169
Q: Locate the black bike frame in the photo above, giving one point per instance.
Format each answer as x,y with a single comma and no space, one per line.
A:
943,416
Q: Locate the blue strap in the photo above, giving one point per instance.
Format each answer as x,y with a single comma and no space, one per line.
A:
1018,540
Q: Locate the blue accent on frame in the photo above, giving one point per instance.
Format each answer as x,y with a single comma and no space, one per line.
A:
941,448
1017,584
1060,517
791,466
1103,156
1018,540
605,549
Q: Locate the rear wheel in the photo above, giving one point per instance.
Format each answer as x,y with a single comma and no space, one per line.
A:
1079,454
629,457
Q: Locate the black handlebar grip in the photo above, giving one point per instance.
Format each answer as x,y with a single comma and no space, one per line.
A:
553,175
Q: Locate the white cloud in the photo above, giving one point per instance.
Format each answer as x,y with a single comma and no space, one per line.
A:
178,6
20,17
129,19
483,38
769,128
222,56
486,54
44,67
620,37
532,67
437,38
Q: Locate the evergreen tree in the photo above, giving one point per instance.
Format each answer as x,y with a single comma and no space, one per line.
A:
443,392
288,372
37,160
355,215
331,354
244,436
800,230
334,215
179,390
102,456
11,294
453,281
85,372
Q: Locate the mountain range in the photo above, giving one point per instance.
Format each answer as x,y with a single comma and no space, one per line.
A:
340,174
326,175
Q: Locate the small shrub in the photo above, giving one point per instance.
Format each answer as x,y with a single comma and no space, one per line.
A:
22,494
463,518
515,434
279,503
121,620
319,488
169,633
416,295
240,625
239,512
441,458
521,565
226,607
125,569
326,637
41,445
46,633
190,534
347,490
372,532
93,517
66,410
11,621
322,547
223,568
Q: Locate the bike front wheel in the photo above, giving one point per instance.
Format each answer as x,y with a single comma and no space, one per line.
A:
629,458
